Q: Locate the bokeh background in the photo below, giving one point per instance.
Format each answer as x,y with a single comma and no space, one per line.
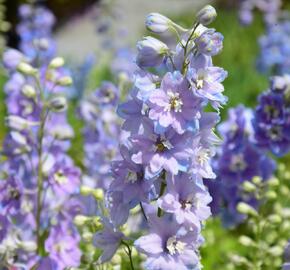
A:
78,34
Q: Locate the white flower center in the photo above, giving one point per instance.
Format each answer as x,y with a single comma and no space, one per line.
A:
186,204
26,206
275,133
202,155
162,144
60,178
238,163
174,246
131,177
59,247
175,102
201,75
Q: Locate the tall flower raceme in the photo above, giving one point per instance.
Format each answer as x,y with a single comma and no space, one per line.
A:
269,8
39,179
101,134
239,160
168,147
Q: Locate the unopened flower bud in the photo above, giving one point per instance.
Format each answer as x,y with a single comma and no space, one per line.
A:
41,44
80,220
206,15
246,209
58,104
209,42
271,195
158,23
26,69
151,52
64,81
62,132
87,236
12,58
5,26
86,191
257,180
246,241
56,63
18,123
28,91
284,190
248,186
273,182
28,246
276,251
275,219
116,260
98,194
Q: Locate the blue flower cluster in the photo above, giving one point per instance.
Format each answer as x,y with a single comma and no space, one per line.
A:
168,146
274,55
272,117
101,134
269,8
238,160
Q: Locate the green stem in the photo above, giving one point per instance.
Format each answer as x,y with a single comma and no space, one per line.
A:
39,180
162,190
186,47
143,212
129,253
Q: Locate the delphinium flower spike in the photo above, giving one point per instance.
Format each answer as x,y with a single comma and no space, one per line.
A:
238,161
168,148
38,177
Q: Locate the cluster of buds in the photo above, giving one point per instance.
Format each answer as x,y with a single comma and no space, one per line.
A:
266,230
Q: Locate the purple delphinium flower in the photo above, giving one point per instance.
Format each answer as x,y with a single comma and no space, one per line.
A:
62,245
275,49
11,190
169,151
210,42
169,246
12,58
188,199
238,160
128,189
64,176
173,104
272,114
108,239
206,83
4,223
